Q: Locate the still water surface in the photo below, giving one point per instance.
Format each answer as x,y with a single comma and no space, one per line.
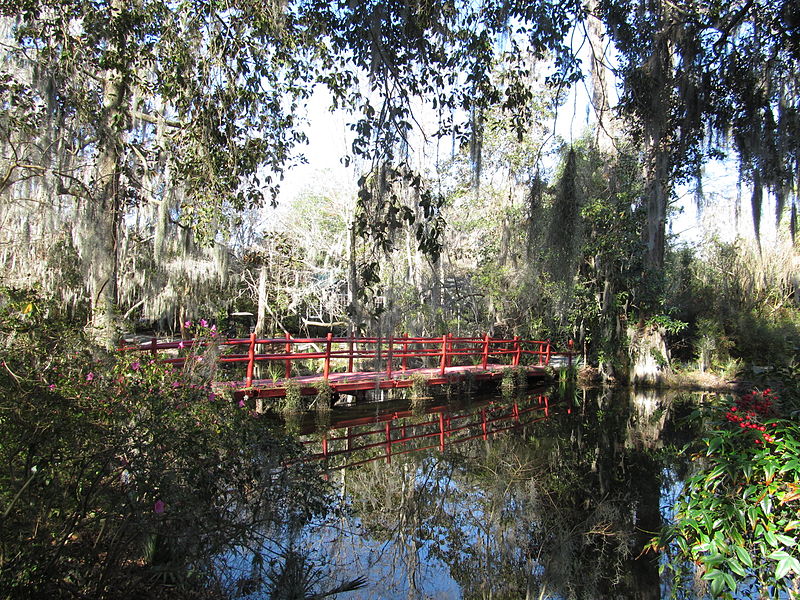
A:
545,494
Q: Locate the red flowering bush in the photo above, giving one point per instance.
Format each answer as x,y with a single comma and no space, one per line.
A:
752,410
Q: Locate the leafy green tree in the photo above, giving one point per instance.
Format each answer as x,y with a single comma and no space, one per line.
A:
145,98
700,79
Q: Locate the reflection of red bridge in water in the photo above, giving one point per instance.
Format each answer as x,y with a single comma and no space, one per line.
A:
357,441
350,364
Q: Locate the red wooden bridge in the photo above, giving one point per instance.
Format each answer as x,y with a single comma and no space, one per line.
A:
266,367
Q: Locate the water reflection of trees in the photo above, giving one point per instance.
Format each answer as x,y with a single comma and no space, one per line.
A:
562,507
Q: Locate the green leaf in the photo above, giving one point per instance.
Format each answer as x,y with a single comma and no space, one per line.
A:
730,581
789,563
744,556
766,505
714,443
736,567
792,525
752,516
714,560
779,555
769,471
716,579
771,539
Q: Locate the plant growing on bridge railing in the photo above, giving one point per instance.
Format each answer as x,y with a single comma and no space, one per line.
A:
738,517
324,396
521,377
420,394
419,386
508,382
293,400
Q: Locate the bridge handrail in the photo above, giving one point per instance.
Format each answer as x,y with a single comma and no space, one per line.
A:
389,350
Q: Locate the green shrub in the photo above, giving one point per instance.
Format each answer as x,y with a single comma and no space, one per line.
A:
119,477
737,517
508,383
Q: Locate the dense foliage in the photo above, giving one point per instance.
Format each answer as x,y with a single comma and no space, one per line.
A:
133,130
737,517
120,477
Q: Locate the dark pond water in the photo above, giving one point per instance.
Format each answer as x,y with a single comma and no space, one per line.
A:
544,494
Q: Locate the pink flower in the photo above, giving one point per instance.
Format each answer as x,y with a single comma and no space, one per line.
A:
89,376
159,507
181,345
203,323
188,324
241,403
135,365
52,386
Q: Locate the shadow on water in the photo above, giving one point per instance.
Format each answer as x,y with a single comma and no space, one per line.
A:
546,494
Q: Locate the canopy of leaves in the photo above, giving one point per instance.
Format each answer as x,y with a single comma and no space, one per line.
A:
704,77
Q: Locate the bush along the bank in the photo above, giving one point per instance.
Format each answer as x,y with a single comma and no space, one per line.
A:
121,477
737,521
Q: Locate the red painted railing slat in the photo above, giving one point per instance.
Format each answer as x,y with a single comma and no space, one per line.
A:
391,351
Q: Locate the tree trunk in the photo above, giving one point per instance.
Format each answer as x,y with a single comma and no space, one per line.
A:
597,68
353,302
649,355
647,343
103,214
261,311
436,307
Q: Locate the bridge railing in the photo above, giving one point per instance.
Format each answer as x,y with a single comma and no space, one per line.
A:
389,354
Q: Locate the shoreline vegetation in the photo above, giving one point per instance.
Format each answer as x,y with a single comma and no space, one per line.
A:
144,148
107,461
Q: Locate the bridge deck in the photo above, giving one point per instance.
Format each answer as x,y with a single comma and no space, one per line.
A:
360,381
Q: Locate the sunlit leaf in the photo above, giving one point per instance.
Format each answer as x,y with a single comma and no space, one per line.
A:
744,556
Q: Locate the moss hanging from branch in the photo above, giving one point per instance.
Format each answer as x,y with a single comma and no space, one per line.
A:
564,233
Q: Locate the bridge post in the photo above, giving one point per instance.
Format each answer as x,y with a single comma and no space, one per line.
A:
485,362
350,349
549,349
326,368
405,351
251,359
450,349
389,358
517,351
443,362
154,347
288,349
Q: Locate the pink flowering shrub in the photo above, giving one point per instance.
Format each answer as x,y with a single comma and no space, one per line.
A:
119,474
